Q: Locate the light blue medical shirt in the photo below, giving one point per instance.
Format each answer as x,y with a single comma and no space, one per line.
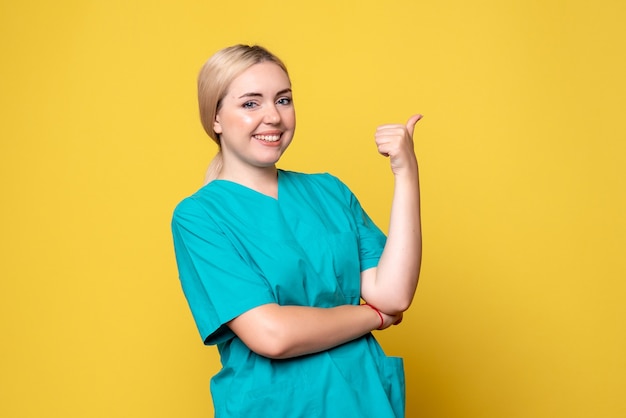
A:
237,249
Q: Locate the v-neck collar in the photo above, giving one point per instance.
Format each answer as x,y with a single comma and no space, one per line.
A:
279,179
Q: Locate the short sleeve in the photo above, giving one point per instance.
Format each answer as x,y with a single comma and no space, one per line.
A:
218,284
371,239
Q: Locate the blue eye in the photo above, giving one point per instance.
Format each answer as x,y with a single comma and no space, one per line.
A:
284,101
248,105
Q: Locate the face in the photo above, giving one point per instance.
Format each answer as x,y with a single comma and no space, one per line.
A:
256,120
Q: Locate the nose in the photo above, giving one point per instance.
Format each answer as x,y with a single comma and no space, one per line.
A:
272,115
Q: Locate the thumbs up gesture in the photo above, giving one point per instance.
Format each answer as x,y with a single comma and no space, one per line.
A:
396,142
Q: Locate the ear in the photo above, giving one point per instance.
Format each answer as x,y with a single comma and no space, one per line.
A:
217,126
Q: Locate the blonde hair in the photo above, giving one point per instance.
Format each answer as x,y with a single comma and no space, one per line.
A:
213,82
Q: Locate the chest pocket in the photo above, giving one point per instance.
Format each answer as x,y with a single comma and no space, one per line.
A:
345,262
317,269
334,261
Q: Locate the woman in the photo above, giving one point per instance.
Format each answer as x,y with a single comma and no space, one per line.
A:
274,263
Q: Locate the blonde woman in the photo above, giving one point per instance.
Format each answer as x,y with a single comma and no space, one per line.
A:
274,264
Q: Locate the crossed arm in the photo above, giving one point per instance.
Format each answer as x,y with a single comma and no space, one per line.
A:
287,331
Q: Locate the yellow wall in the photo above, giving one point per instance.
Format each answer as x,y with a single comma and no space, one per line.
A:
520,312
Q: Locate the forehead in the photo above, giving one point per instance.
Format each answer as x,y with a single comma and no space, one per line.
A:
265,77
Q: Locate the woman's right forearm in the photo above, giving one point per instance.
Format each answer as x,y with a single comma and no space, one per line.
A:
288,331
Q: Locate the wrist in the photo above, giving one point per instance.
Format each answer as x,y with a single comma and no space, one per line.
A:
408,174
380,315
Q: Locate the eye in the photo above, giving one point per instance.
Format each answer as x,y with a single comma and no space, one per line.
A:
249,105
284,101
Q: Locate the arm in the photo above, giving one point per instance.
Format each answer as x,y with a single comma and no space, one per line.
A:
391,286
282,332
203,252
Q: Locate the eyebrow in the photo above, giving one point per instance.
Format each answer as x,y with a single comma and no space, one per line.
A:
251,94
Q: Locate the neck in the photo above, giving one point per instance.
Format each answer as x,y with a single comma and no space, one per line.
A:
263,179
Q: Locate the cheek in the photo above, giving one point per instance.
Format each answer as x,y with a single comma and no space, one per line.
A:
244,121
289,117
237,122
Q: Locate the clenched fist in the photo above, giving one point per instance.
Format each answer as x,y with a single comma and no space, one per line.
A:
396,142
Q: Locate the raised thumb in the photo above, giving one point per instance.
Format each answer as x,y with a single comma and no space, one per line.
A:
410,125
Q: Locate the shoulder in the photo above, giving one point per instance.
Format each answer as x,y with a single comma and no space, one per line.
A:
199,204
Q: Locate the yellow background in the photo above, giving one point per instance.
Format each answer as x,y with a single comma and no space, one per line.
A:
520,310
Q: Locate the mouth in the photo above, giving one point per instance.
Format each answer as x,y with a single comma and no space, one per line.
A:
267,137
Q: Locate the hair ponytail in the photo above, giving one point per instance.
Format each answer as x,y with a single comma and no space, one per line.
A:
214,168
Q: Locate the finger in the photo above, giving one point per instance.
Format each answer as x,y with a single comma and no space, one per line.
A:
410,125
397,129
382,150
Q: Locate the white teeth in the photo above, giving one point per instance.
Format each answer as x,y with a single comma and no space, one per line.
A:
268,138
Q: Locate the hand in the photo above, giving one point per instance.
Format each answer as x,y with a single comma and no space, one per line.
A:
389,320
396,142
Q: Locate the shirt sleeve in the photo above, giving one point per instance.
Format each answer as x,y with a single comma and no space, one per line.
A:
370,238
218,284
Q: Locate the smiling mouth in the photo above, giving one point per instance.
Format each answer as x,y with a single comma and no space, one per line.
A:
267,138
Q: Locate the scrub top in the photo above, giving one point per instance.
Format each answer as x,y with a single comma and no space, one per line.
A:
237,249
